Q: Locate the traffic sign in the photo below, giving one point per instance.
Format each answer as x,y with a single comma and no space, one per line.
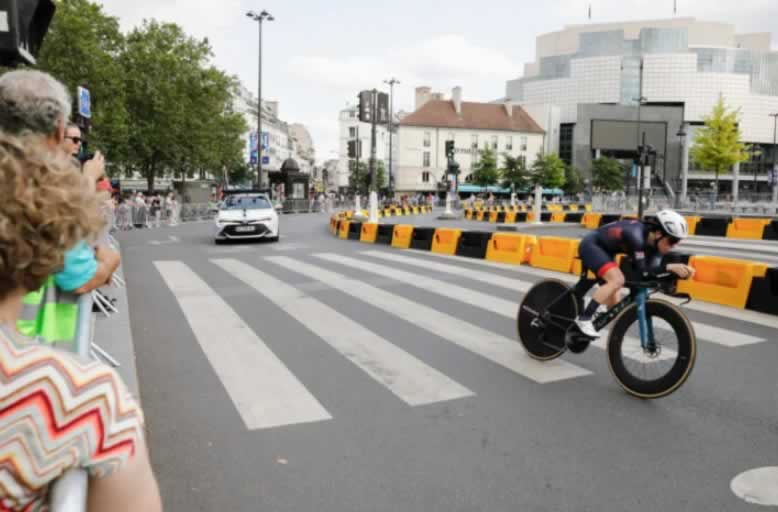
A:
265,160
265,141
84,103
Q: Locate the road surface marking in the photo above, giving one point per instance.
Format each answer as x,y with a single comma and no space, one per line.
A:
499,349
506,308
758,486
264,391
475,275
410,379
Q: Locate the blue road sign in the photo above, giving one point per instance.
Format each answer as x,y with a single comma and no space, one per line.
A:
253,142
265,141
84,103
265,160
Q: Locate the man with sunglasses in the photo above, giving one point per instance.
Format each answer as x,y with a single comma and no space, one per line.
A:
645,242
94,169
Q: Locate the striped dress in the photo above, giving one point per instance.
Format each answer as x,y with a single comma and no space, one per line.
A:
57,413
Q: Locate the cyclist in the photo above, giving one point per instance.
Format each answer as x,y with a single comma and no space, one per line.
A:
645,242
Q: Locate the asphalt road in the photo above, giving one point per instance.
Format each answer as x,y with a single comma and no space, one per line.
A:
316,374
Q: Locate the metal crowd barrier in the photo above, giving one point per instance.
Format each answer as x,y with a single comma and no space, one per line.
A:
69,492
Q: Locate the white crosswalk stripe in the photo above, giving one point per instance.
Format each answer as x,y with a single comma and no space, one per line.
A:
706,332
468,296
264,391
499,349
407,377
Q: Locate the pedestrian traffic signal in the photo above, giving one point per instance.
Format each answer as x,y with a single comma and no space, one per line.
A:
449,149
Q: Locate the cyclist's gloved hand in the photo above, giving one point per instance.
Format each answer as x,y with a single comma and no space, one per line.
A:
681,270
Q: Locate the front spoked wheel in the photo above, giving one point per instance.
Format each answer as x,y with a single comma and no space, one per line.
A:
654,371
544,318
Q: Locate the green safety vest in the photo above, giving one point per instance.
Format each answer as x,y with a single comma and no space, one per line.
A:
50,315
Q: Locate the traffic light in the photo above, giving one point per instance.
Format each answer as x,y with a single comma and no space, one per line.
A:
365,106
449,149
23,29
355,148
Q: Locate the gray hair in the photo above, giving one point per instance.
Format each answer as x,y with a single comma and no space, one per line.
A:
32,101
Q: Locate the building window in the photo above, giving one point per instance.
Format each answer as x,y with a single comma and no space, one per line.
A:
426,162
494,142
474,144
425,177
566,143
509,143
427,139
524,143
352,132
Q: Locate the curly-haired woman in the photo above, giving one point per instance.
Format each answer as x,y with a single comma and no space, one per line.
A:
57,412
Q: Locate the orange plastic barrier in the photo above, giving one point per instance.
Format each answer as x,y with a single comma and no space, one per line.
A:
722,280
553,253
369,233
480,215
558,217
747,229
416,210
510,218
574,208
531,217
510,248
333,224
402,235
343,233
692,223
591,220
493,217
469,214
445,240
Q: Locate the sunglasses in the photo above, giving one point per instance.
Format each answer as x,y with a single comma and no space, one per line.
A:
76,140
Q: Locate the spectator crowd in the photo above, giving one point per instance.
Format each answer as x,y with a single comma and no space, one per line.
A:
59,412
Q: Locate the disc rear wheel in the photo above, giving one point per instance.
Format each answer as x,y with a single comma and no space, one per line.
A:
542,329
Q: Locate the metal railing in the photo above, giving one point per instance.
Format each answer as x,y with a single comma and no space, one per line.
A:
69,492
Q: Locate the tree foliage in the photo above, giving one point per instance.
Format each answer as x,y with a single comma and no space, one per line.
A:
717,146
514,173
485,171
548,171
359,176
573,181
607,175
159,106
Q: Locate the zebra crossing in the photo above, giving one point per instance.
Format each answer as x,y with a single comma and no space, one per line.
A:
265,390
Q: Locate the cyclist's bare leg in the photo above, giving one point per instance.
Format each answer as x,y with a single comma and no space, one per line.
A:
608,293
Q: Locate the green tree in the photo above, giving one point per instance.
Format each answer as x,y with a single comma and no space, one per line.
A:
548,171
514,173
83,47
607,175
485,171
359,176
573,181
717,146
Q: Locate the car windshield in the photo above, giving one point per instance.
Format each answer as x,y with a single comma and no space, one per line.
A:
246,203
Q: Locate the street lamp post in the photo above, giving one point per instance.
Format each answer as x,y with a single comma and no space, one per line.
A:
775,159
641,151
681,139
259,18
392,82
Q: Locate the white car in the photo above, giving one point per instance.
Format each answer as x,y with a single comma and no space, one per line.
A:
246,217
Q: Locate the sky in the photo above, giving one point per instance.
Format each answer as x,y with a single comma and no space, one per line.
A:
317,55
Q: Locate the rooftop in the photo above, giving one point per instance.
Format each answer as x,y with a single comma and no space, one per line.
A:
475,116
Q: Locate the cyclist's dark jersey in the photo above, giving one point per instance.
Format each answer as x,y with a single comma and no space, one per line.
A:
598,249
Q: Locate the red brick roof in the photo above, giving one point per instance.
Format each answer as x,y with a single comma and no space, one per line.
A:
475,116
